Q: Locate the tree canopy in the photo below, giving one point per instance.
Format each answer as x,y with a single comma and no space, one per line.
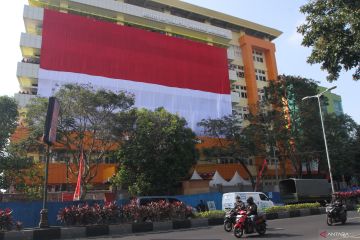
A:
342,139
332,30
89,120
157,155
8,120
232,142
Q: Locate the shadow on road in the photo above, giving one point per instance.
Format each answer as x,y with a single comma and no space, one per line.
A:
274,235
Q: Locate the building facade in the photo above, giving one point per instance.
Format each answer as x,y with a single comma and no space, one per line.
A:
334,103
249,58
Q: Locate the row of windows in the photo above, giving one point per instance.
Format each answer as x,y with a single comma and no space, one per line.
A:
236,50
260,75
238,69
258,56
240,87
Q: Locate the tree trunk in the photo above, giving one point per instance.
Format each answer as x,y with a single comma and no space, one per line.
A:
249,173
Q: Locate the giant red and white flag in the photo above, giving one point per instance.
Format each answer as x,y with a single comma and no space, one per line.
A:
78,189
184,77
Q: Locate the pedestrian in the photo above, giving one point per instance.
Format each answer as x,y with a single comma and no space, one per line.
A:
201,207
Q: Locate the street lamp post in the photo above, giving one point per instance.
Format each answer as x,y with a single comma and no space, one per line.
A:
323,130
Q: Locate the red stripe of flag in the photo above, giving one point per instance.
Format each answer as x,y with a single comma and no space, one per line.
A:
78,44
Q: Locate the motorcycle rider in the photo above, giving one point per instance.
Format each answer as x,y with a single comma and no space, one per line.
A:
251,210
239,205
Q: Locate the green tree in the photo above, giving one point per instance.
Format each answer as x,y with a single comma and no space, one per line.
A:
157,155
294,123
19,171
355,161
231,140
332,30
8,121
341,134
88,120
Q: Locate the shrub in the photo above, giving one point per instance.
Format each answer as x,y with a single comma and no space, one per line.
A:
350,194
83,214
291,207
111,213
156,211
211,214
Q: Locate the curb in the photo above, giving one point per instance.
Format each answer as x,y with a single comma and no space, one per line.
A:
295,213
130,228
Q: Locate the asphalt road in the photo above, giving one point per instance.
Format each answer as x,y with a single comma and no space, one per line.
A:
309,227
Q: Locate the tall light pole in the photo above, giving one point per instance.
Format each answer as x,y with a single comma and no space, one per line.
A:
323,129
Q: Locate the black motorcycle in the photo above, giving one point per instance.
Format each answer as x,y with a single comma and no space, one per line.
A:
336,213
229,220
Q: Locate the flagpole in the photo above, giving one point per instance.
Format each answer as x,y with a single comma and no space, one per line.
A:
44,223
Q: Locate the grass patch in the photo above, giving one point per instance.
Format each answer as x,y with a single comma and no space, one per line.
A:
211,214
291,207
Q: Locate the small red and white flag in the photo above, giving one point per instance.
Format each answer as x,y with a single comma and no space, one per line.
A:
258,178
185,77
78,189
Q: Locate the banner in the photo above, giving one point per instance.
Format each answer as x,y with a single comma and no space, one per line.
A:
185,77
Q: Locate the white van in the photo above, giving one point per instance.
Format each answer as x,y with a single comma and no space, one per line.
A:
260,199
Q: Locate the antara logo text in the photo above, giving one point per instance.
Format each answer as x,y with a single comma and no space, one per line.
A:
326,234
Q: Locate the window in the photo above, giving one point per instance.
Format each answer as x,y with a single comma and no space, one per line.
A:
238,69
260,75
243,95
261,94
263,197
258,56
337,107
236,50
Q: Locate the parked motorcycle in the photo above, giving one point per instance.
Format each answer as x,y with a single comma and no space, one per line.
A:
336,213
230,220
245,225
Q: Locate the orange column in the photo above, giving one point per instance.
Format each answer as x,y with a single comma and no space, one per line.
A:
251,86
271,64
247,44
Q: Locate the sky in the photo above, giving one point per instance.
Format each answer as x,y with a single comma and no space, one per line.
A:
282,15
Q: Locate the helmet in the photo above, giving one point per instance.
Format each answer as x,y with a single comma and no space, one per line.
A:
237,197
250,200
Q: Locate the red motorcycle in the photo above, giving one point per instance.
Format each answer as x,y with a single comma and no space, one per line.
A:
245,225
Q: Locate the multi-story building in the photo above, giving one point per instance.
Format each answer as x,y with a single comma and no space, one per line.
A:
248,62
334,103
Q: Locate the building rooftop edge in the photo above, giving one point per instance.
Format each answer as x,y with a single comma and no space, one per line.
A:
221,16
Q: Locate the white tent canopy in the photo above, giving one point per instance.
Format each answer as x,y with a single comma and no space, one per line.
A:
195,176
217,179
237,179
